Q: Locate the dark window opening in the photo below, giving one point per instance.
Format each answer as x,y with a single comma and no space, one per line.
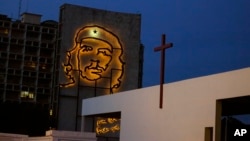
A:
232,114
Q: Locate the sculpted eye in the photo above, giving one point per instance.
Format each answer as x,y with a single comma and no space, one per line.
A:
86,48
104,51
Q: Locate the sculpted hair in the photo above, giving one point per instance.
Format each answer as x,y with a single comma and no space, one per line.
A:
116,66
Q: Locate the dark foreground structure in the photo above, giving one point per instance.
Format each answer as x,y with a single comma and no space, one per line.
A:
27,66
47,68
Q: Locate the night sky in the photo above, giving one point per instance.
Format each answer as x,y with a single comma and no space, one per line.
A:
209,36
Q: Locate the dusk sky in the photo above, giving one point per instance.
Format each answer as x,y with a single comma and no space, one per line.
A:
209,36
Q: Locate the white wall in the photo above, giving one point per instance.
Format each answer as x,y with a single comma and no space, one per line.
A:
188,107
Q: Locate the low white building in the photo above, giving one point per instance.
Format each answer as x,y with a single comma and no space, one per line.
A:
192,109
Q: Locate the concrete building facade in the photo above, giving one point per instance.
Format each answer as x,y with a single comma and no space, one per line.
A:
100,54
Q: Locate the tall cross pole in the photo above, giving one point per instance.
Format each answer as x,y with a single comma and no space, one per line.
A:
162,48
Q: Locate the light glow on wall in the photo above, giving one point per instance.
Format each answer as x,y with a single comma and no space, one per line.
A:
107,125
96,55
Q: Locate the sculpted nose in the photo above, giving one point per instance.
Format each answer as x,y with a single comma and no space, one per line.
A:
97,61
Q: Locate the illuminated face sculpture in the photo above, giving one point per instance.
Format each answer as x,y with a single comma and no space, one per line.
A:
96,55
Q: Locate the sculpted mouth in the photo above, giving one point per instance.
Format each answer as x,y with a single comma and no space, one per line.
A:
94,70
92,73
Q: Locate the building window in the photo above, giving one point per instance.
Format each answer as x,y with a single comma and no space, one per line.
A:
232,115
4,31
27,95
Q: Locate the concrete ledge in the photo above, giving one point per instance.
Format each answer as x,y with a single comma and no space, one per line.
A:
51,135
13,137
83,136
